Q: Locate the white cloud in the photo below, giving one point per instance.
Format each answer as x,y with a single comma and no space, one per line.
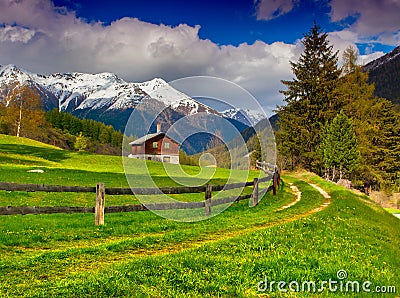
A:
271,9
15,34
343,39
374,20
365,59
42,38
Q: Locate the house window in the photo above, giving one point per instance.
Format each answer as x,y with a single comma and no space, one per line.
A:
166,145
155,144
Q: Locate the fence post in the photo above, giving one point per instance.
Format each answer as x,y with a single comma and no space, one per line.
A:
99,207
274,185
279,177
207,202
254,196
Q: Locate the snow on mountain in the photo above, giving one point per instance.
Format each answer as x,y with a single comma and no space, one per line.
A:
79,90
162,91
79,93
255,115
92,91
151,86
246,116
385,59
10,74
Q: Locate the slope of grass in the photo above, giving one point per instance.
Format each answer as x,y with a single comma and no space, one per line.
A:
20,155
392,210
142,255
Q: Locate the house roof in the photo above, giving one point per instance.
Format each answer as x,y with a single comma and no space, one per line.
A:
150,136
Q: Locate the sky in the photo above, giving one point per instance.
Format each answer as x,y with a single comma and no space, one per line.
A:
248,42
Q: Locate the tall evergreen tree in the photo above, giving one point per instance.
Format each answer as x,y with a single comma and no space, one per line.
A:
310,101
340,150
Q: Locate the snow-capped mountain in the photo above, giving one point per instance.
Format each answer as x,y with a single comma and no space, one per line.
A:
104,91
76,91
246,116
106,97
177,100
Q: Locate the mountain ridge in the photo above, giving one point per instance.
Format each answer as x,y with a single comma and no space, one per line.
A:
384,72
107,98
79,92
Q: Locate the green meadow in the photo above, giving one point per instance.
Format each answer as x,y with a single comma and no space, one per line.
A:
139,254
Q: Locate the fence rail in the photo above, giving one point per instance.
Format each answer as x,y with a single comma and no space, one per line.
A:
10,186
101,191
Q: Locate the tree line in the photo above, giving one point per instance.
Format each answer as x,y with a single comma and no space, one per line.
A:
333,124
91,129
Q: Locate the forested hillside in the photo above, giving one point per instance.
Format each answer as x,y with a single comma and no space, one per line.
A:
320,92
385,74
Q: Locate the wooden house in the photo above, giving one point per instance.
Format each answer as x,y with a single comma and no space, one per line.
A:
156,146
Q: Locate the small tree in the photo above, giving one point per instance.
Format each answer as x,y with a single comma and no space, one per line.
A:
24,113
340,150
80,142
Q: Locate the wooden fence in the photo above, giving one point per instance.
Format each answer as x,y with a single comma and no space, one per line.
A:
101,191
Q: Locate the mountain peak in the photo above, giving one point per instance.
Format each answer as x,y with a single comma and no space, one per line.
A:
152,85
12,74
104,96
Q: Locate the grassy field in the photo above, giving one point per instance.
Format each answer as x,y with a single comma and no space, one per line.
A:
142,255
18,156
392,210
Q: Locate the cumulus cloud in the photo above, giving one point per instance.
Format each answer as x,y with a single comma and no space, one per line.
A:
42,38
271,9
374,20
14,34
345,38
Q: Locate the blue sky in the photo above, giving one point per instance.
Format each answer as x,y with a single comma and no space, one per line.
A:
226,22
247,42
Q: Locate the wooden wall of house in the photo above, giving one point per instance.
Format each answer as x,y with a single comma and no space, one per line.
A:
137,149
161,148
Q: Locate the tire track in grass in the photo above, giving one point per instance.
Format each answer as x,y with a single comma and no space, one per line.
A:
115,257
297,192
190,244
324,194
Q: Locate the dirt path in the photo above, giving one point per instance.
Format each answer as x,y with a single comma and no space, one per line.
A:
128,254
223,236
321,191
297,192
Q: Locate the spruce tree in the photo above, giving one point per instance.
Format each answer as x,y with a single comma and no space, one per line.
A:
310,100
340,150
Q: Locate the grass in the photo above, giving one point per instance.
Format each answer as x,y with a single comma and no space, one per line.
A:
392,210
142,255
20,155
59,246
